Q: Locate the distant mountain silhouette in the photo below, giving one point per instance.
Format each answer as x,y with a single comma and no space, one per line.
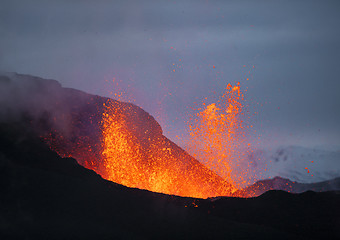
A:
283,184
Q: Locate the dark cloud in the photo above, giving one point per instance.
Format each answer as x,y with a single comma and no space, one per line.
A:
293,45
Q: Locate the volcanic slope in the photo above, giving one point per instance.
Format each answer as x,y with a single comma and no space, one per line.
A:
118,140
44,196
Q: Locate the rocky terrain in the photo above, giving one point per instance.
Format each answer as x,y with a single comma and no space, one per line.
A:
44,196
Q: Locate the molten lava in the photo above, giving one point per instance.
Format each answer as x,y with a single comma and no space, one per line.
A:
155,164
124,144
218,136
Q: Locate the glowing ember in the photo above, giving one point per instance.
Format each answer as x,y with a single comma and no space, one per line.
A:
217,136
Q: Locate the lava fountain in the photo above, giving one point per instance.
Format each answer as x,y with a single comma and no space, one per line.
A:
153,162
125,144
218,136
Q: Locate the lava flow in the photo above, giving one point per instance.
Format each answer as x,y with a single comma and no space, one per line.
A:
153,163
124,144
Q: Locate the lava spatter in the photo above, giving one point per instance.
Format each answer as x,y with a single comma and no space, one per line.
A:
218,136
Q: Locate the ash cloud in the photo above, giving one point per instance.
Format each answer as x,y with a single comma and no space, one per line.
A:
21,93
35,101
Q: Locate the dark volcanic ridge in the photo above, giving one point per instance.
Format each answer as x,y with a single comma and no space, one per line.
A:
44,196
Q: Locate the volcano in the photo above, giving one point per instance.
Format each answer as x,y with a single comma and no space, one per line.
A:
118,140
53,170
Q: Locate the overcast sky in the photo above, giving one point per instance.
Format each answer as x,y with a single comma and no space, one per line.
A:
289,50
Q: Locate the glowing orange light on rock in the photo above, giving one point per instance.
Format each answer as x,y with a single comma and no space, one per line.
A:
129,148
120,151
155,164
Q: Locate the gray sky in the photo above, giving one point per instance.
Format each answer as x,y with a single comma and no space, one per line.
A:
293,45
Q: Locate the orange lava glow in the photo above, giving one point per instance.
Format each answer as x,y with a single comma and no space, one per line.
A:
155,164
124,144
218,136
